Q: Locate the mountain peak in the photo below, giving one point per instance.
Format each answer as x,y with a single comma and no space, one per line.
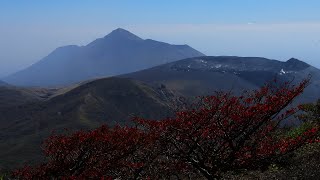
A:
119,52
120,33
292,60
296,63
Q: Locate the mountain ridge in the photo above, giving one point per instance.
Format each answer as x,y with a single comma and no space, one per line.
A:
108,101
117,53
204,75
148,93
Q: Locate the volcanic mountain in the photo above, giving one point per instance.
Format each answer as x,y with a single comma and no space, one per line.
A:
117,53
204,75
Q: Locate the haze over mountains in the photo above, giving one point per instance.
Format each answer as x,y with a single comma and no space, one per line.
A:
117,53
163,73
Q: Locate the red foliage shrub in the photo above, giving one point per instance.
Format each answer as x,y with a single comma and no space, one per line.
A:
219,134
104,152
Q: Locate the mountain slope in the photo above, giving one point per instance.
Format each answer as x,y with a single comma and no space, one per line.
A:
117,53
110,101
15,96
203,75
3,83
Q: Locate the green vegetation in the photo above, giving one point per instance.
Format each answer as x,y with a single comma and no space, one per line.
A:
106,101
219,137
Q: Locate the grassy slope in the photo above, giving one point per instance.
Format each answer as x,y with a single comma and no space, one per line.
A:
111,101
304,164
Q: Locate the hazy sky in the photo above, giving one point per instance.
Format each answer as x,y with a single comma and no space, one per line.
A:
277,29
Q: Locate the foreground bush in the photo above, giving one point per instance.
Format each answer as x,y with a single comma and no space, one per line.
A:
220,133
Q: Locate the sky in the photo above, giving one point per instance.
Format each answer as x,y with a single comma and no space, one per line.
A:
275,29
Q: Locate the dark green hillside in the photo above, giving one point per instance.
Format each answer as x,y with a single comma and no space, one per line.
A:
110,101
13,96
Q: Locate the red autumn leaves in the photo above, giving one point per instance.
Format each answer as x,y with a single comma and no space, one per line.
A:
220,133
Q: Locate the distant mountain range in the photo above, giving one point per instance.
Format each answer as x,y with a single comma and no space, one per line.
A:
117,53
29,114
105,101
204,75
150,78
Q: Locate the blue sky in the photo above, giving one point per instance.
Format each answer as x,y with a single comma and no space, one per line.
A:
277,29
